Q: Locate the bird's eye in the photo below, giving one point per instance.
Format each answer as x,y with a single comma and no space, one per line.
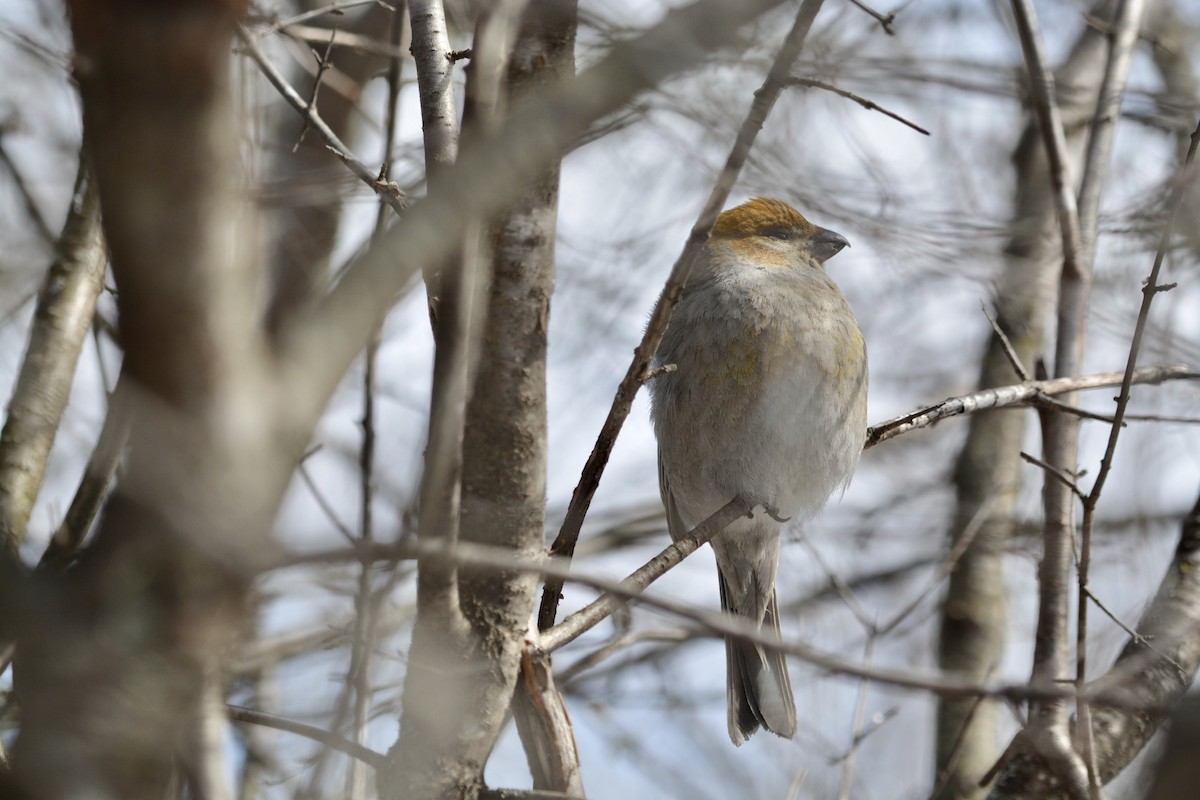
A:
782,234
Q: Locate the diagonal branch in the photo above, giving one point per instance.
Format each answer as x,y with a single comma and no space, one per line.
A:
587,618
764,101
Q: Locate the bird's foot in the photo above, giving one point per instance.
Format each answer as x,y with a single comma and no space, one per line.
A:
773,513
769,508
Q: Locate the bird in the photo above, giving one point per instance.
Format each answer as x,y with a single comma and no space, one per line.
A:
766,402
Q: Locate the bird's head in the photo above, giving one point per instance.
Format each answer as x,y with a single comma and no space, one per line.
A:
772,233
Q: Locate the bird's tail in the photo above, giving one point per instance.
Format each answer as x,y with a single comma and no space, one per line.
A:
760,692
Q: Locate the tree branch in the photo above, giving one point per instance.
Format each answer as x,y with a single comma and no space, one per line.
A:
1015,395
65,307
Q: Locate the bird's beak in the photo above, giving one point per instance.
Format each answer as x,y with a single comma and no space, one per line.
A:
827,244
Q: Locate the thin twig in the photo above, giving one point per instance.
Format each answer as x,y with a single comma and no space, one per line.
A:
1009,351
324,504
884,22
367,605
31,205
764,101
1054,472
1127,18
324,62
591,615
1057,405
1131,632
860,716
332,8
1149,290
840,587
622,642
869,105
388,191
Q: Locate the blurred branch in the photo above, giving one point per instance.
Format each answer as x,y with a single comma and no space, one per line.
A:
478,556
31,205
635,376
339,743
357,41
93,487
386,190
103,713
61,321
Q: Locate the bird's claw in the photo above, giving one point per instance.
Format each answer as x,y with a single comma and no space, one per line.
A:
773,513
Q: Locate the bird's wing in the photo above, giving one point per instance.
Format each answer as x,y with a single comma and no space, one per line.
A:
674,521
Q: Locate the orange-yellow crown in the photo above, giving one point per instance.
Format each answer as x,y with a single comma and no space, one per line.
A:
758,216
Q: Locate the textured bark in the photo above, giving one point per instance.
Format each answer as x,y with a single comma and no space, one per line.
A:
504,468
112,657
61,321
974,612
542,721
1152,673
439,121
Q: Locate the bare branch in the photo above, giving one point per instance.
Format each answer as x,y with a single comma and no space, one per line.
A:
339,743
1149,289
1015,395
588,617
1009,352
869,105
478,556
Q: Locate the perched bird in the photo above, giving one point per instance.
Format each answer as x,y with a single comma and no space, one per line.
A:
767,402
